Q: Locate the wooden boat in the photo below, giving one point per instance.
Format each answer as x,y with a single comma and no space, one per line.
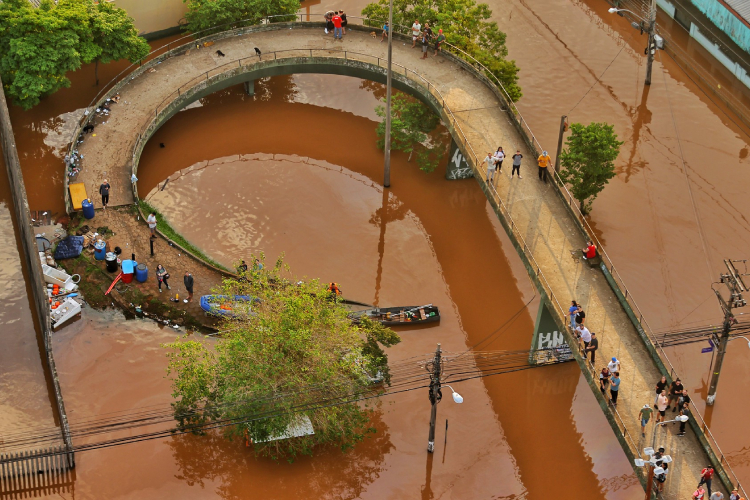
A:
222,305
394,316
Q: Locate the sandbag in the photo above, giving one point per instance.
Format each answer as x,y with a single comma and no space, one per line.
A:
70,247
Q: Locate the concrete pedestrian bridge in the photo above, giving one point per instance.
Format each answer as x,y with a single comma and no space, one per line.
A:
540,219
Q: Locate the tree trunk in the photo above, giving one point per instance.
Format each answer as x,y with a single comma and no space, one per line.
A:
582,206
96,72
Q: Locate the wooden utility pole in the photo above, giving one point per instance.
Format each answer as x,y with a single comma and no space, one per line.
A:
435,396
733,281
563,128
388,87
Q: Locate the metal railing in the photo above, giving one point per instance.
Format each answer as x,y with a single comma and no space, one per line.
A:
473,160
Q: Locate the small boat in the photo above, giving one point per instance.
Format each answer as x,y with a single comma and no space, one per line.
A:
66,310
394,316
61,278
222,305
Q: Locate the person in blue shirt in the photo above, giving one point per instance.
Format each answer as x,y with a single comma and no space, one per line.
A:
572,312
385,32
614,387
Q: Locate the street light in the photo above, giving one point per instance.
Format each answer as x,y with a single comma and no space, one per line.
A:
740,337
652,461
456,396
651,22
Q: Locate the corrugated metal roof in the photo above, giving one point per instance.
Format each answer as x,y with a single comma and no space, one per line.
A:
741,7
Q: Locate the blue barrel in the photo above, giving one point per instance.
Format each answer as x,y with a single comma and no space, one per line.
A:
100,250
88,209
141,273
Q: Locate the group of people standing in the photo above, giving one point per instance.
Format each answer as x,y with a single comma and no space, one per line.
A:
424,35
495,160
336,22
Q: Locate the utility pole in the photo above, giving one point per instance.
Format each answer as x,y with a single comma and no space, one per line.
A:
563,128
435,395
651,43
387,144
733,281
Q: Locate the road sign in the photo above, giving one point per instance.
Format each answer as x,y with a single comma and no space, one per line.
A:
707,349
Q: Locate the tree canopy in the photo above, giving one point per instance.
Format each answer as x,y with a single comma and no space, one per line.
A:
588,161
205,14
290,352
465,25
412,124
38,46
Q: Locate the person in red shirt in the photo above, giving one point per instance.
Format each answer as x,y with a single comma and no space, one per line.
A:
337,32
590,251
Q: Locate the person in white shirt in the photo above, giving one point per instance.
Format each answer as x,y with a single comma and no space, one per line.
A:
614,365
499,157
152,224
490,161
416,29
584,334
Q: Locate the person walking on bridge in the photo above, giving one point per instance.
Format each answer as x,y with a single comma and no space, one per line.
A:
572,311
516,164
499,157
644,416
661,405
707,475
490,161
585,335
614,387
591,348
439,41
336,19
416,29
543,161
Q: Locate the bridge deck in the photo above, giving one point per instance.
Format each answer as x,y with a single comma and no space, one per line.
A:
542,218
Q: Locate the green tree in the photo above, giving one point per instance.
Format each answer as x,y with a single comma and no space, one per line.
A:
116,36
38,46
412,126
292,349
465,25
205,14
588,161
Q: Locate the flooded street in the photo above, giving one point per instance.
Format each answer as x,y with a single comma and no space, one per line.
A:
237,185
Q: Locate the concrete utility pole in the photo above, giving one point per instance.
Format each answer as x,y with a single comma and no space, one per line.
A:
563,128
387,145
651,43
733,281
435,396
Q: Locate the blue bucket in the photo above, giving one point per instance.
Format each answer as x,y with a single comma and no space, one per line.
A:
141,273
88,209
100,250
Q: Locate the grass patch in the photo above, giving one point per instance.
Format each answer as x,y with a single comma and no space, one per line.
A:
168,231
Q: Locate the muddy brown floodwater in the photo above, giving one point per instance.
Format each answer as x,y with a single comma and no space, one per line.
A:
238,186
675,210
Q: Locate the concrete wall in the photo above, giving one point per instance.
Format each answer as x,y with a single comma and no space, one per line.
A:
154,18
31,255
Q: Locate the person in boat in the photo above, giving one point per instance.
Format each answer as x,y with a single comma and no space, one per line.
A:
334,289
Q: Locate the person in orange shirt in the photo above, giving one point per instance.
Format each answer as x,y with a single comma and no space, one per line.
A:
543,161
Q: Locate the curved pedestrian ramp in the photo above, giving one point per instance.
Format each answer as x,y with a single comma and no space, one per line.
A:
38,473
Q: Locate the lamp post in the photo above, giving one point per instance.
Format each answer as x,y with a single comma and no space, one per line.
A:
387,142
651,30
654,468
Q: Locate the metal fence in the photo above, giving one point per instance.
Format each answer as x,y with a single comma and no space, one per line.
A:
474,161
29,473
